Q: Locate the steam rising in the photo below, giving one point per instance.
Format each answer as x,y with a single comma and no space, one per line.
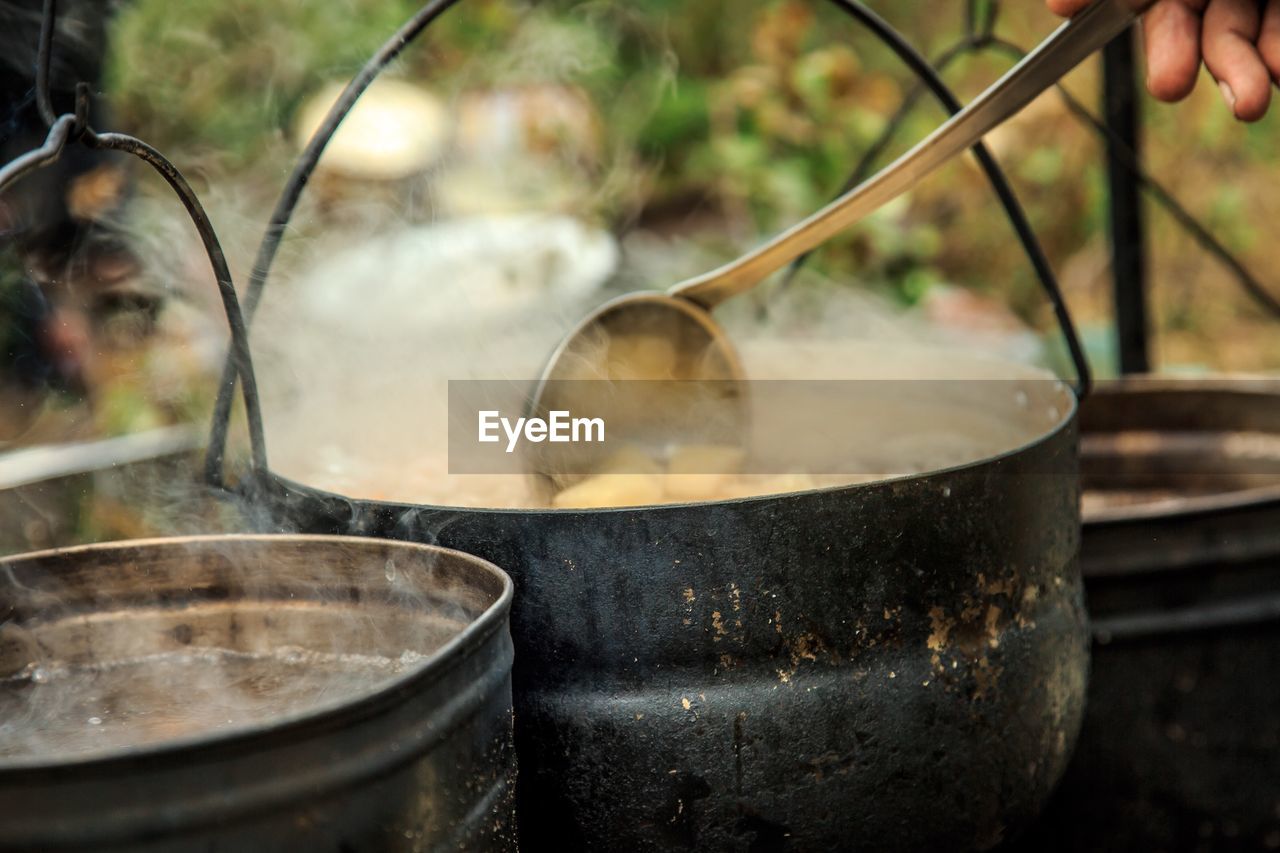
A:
366,412
135,645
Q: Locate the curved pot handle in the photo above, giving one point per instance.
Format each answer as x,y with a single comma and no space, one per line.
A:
411,29
930,77
74,127
288,202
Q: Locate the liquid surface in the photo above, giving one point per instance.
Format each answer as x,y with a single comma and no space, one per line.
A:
400,454
54,711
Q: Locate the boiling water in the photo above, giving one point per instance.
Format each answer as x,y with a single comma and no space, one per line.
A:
54,711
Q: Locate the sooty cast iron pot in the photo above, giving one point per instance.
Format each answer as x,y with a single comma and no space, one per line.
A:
1180,748
420,759
893,665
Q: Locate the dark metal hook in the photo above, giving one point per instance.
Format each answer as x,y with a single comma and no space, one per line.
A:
980,18
240,357
288,202
59,133
44,55
75,127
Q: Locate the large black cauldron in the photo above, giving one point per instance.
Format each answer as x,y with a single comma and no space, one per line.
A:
893,665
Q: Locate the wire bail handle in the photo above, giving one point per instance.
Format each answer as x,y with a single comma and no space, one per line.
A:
74,127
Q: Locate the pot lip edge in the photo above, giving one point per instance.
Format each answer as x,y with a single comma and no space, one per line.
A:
1068,420
297,726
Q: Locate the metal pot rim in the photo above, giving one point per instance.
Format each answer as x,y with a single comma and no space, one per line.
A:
297,726
1068,416
1178,508
1218,385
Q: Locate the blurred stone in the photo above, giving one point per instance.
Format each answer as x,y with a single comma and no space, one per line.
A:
394,131
374,170
526,148
510,186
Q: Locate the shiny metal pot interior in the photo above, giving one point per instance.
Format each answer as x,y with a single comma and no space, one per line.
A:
255,693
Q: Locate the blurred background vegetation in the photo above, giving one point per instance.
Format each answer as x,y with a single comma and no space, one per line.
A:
723,120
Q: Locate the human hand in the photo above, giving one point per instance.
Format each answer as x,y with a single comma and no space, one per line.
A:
1238,41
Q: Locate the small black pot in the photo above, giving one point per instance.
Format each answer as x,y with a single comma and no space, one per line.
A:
421,760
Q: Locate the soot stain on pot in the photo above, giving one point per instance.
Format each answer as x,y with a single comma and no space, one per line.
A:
831,764
768,835
964,638
677,814
739,740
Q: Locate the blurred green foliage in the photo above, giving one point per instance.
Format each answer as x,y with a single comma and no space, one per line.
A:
225,73
761,106
752,109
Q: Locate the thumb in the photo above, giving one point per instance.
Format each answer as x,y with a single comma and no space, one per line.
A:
1066,8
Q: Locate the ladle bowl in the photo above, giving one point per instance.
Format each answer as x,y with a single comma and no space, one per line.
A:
679,324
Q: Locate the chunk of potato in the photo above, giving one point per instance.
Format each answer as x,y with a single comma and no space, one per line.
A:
701,472
629,459
606,490
773,484
705,459
783,483
641,357
696,487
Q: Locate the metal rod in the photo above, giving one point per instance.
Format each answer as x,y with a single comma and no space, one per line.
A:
288,202
44,51
76,126
1069,45
241,359
47,153
1203,237
1121,112
931,78
1205,617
